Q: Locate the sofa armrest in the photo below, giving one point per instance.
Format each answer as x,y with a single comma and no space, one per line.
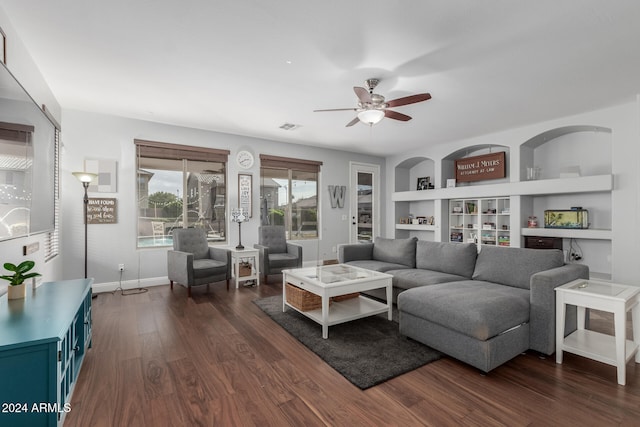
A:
355,251
295,249
542,318
180,267
221,254
263,258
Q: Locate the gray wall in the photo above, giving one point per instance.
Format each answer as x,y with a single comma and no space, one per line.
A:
96,136
21,65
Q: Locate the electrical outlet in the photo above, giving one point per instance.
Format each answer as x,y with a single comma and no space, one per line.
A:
120,267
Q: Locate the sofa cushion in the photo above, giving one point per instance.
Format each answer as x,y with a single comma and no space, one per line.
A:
408,278
381,266
446,257
396,251
478,309
514,266
283,260
208,267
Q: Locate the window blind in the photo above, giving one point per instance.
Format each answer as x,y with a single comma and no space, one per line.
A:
163,150
52,239
276,162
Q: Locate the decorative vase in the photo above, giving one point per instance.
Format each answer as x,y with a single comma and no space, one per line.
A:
17,291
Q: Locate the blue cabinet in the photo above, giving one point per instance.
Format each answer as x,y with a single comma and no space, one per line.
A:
43,340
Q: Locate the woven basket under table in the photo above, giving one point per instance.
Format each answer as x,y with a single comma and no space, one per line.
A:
301,299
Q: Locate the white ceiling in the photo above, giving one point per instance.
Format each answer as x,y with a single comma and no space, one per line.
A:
248,66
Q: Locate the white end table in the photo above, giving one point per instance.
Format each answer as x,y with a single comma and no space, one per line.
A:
240,255
618,299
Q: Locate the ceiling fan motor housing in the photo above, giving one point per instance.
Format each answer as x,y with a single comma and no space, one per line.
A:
371,84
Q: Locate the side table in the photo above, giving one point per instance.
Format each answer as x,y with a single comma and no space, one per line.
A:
618,299
241,255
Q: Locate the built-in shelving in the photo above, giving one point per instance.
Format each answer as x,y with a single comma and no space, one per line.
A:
416,227
566,233
582,184
574,169
482,221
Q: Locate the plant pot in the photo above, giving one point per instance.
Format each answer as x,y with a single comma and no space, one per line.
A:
17,291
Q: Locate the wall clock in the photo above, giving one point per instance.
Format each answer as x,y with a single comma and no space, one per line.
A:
244,159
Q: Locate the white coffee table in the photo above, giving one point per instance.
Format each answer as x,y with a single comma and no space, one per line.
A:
334,280
618,299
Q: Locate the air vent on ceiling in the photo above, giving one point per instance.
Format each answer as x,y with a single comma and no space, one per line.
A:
289,126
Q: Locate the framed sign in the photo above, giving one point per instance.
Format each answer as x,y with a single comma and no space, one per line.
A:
479,168
101,210
245,189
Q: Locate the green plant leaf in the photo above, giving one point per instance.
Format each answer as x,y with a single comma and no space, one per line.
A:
25,266
9,266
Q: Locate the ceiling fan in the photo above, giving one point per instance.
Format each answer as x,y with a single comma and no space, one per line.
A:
372,107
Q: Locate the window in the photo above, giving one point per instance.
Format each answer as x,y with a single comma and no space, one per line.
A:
289,195
178,187
52,240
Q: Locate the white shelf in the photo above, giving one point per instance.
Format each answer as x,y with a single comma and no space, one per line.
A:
589,233
416,227
597,346
494,234
582,184
347,310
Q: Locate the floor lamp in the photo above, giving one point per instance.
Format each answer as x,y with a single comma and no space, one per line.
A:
85,178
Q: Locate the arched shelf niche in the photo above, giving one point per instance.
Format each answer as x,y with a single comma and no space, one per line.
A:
578,149
448,163
578,154
407,174
409,170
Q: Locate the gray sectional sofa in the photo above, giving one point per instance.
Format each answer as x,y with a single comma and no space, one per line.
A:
481,308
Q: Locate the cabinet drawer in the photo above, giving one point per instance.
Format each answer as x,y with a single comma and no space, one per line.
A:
537,242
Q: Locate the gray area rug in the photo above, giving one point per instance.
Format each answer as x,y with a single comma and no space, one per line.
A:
366,351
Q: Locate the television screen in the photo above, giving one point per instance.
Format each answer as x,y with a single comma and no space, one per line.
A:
27,144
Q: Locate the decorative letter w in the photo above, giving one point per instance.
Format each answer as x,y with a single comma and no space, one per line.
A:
336,194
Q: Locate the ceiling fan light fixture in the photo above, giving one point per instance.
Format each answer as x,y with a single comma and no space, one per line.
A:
371,117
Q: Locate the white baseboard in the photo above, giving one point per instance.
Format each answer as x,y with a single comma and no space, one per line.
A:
129,284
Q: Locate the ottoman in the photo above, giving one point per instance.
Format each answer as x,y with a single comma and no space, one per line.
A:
481,323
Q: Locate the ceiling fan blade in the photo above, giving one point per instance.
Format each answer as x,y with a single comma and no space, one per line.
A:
362,94
335,109
409,100
396,116
353,122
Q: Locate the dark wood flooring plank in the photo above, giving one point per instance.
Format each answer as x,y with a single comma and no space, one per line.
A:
128,393
191,392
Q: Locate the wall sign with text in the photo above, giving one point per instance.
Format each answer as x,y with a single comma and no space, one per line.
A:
245,190
479,168
102,210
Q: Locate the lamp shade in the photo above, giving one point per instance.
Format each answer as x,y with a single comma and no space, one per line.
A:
239,215
371,117
84,176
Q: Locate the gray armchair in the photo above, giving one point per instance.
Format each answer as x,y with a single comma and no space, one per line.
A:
275,253
192,262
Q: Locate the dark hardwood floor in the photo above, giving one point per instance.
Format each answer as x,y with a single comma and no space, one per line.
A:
162,359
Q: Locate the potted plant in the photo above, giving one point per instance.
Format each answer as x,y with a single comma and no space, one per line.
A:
16,280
